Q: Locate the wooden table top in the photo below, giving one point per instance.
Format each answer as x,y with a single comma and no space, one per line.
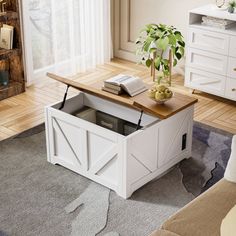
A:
141,102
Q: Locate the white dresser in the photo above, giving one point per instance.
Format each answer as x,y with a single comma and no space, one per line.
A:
211,54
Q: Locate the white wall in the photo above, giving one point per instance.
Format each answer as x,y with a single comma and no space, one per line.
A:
132,15
171,12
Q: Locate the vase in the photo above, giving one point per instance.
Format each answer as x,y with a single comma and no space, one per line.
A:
231,9
4,78
220,3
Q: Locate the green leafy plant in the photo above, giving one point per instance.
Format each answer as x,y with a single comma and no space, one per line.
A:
232,6
153,43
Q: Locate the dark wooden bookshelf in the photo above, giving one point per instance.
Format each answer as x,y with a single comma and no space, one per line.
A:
5,53
10,15
13,88
12,59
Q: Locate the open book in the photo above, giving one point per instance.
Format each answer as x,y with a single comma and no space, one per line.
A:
131,85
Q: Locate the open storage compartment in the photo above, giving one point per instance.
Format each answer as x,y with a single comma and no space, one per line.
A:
84,101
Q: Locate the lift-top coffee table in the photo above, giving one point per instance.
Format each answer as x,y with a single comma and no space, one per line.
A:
123,163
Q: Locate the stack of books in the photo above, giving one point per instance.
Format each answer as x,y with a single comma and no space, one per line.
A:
112,88
217,23
124,83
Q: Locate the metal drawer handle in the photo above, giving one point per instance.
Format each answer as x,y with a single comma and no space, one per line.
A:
233,89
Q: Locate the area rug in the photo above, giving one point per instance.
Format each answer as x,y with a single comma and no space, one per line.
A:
210,154
38,198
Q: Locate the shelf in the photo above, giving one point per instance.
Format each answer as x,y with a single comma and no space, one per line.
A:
198,25
12,89
4,53
212,10
195,18
11,60
10,15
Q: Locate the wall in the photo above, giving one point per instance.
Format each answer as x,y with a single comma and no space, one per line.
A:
131,15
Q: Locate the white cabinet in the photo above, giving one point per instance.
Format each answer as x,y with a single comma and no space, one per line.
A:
231,88
232,48
211,54
122,163
232,67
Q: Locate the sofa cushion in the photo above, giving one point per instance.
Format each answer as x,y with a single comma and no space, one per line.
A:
228,226
203,216
162,232
230,172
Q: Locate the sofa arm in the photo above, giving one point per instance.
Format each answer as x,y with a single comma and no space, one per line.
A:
230,172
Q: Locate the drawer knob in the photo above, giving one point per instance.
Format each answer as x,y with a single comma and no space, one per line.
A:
234,89
234,69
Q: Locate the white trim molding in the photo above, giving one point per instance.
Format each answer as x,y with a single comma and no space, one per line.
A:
123,44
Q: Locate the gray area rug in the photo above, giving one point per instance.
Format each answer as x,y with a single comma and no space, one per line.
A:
94,202
38,198
148,207
33,193
210,154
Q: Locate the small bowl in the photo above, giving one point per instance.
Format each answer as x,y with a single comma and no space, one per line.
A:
160,102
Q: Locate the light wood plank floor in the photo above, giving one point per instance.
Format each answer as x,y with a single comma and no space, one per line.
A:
25,111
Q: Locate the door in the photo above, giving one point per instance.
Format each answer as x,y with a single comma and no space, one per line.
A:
130,16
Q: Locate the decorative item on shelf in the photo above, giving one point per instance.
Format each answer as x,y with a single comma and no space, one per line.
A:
217,22
6,39
4,72
160,47
4,77
220,3
160,93
231,7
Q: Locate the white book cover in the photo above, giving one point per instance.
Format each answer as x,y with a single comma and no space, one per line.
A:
12,33
6,38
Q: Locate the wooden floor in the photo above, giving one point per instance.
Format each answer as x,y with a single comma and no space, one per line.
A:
25,111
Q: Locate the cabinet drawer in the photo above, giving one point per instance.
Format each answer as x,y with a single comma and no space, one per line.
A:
232,67
230,91
211,41
205,81
207,61
232,47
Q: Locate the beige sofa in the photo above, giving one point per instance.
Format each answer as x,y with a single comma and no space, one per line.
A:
203,216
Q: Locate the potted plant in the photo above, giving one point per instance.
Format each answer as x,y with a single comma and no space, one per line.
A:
160,47
231,7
